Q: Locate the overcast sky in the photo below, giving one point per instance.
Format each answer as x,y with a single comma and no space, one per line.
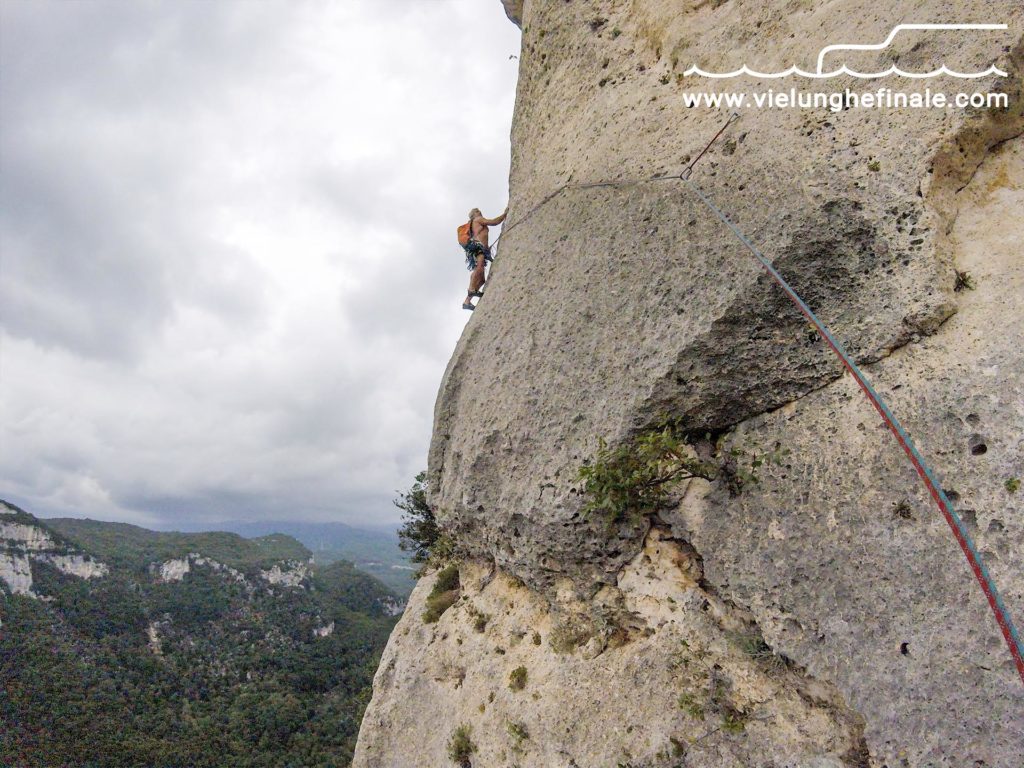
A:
228,278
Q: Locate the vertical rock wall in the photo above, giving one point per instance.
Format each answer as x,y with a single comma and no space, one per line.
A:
824,617
612,308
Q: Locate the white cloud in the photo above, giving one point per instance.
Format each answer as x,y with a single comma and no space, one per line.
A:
228,279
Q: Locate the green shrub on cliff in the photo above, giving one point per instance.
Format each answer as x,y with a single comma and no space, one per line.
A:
567,634
437,605
420,533
447,579
638,476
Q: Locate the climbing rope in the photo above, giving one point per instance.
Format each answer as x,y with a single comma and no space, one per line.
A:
963,538
623,182
617,183
567,186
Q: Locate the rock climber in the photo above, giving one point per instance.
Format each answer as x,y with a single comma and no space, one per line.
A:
478,252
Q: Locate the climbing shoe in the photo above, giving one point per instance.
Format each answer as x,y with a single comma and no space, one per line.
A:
468,305
477,294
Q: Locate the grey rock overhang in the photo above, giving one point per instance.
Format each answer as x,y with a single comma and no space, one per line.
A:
514,11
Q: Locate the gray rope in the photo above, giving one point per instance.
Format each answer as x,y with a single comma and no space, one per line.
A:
684,176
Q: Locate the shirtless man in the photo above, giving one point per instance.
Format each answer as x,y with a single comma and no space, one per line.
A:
478,252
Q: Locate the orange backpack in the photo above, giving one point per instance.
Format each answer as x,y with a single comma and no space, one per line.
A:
465,233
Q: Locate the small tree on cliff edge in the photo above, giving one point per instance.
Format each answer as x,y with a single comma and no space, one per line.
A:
419,532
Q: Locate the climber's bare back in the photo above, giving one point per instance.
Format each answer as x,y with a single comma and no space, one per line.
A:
481,232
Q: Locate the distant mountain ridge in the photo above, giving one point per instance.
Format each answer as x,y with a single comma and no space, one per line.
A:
127,543
374,551
121,646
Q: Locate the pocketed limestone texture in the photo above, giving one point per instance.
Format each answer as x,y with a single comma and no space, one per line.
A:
614,308
657,672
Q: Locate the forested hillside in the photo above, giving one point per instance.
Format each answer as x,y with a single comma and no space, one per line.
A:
125,647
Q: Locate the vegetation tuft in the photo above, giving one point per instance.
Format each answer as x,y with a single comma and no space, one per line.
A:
420,534
691,706
639,476
447,579
461,746
517,679
678,747
480,622
568,634
752,645
964,281
733,721
902,510
444,593
518,731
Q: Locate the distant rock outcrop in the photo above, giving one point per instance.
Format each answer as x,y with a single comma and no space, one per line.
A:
24,541
16,573
291,575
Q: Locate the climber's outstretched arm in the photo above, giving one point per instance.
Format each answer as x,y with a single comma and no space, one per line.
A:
498,220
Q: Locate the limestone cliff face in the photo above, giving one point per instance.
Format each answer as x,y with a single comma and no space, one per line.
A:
620,307
23,541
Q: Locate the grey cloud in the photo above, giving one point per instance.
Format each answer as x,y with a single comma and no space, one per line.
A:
228,278
94,160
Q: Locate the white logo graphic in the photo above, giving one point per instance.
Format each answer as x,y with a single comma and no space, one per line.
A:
844,70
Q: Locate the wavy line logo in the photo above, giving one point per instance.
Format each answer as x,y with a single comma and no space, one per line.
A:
819,72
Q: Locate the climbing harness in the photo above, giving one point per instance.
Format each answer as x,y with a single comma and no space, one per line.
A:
963,538
473,249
